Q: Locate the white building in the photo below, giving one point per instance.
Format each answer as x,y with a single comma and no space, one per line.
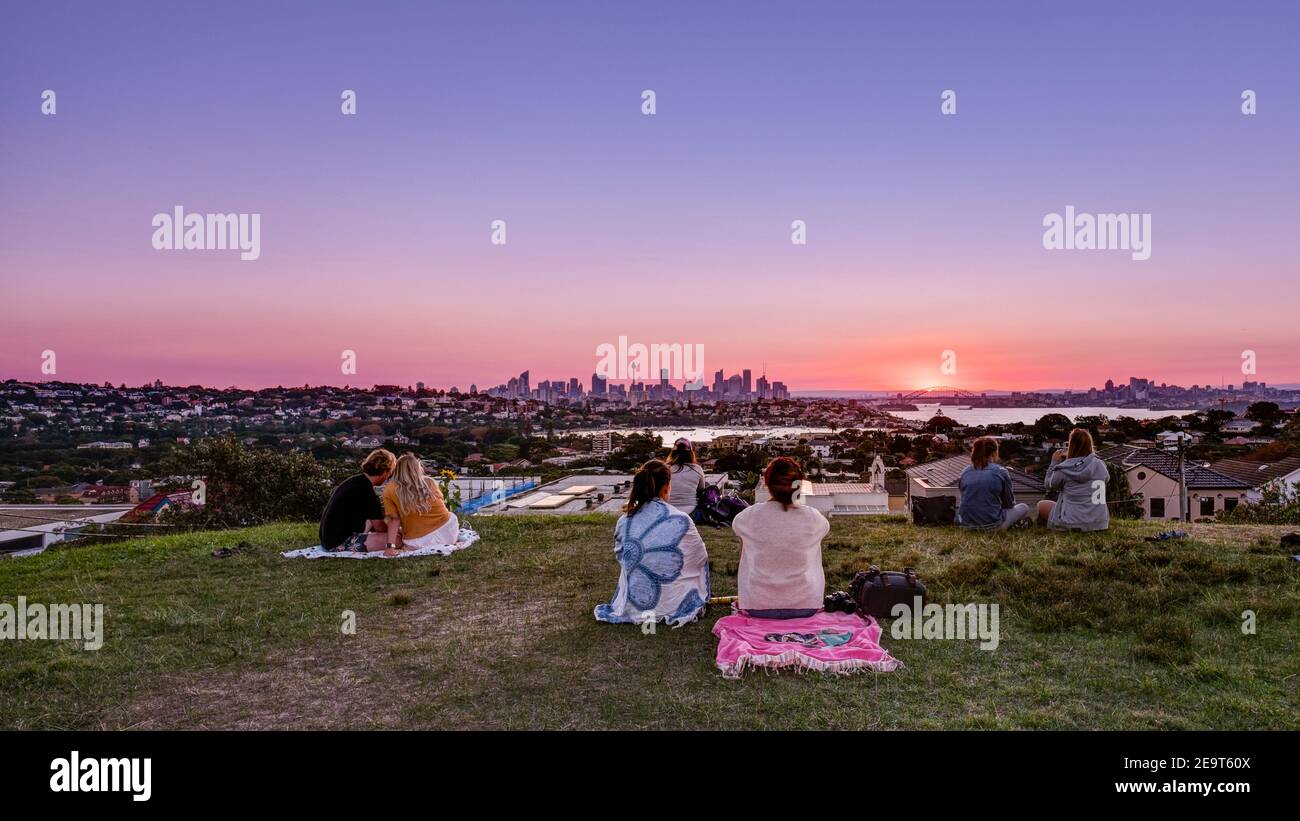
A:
29,529
842,498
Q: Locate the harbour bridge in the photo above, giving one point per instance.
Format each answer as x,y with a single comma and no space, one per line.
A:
938,392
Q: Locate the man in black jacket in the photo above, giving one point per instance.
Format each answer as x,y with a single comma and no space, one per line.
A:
354,517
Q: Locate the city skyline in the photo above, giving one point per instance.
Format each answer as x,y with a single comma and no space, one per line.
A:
924,232
507,388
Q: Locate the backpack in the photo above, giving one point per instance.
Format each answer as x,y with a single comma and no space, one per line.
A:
876,591
934,510
729,506
708,496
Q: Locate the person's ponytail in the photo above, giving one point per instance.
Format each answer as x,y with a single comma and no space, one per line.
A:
681,455
647,484
780,477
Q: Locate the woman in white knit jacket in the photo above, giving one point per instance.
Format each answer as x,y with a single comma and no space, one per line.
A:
780,574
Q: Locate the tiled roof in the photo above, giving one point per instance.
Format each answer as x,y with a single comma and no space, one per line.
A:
946,472
942,472
1197,475
1117,453
1256,474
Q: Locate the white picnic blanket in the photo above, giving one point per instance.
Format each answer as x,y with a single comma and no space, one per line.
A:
465,538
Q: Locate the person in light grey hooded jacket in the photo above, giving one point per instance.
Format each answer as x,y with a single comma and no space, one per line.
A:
1080,476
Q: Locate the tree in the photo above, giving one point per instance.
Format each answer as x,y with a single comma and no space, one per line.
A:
1210,422
1118,494
1010,450
807,459
741,463
1267,414
1053,426
1271,452
637,449
1092,424
502,453
247,487
20,496
940,424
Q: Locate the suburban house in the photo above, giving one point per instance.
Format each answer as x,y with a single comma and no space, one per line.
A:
939,478
821,448
159,502
1239,426
1169,439
727,443
1153,474
1282,475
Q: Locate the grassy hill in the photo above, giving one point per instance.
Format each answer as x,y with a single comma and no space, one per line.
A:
1101,631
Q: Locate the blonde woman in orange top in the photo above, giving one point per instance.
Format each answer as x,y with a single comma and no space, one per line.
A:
416,513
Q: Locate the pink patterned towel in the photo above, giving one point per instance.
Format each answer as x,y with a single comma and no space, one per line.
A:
839,643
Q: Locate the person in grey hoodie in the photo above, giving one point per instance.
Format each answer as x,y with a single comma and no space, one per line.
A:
1080,476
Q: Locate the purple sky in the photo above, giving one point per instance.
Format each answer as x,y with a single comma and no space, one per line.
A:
924,231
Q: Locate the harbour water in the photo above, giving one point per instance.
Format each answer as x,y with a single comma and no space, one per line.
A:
961,414
965,415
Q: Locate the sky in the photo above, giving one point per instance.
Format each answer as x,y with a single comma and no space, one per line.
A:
924,230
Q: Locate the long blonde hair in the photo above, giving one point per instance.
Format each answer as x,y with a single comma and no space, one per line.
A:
412,485
1080,443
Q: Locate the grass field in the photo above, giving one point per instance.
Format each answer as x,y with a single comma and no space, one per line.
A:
1097,631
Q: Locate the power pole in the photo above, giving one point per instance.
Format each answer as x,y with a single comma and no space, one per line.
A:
1182,480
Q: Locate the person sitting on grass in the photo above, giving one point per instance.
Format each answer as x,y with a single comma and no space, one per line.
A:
416,513
987,501
663,565
688,476
1081,477
353,518
780,574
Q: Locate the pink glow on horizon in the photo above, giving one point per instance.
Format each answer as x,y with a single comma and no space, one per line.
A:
204,319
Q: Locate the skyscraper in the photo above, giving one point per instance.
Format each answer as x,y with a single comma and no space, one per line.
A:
747,386
597,385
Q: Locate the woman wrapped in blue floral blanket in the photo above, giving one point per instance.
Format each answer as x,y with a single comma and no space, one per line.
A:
663,565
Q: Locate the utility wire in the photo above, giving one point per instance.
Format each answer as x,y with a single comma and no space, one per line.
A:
115,522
